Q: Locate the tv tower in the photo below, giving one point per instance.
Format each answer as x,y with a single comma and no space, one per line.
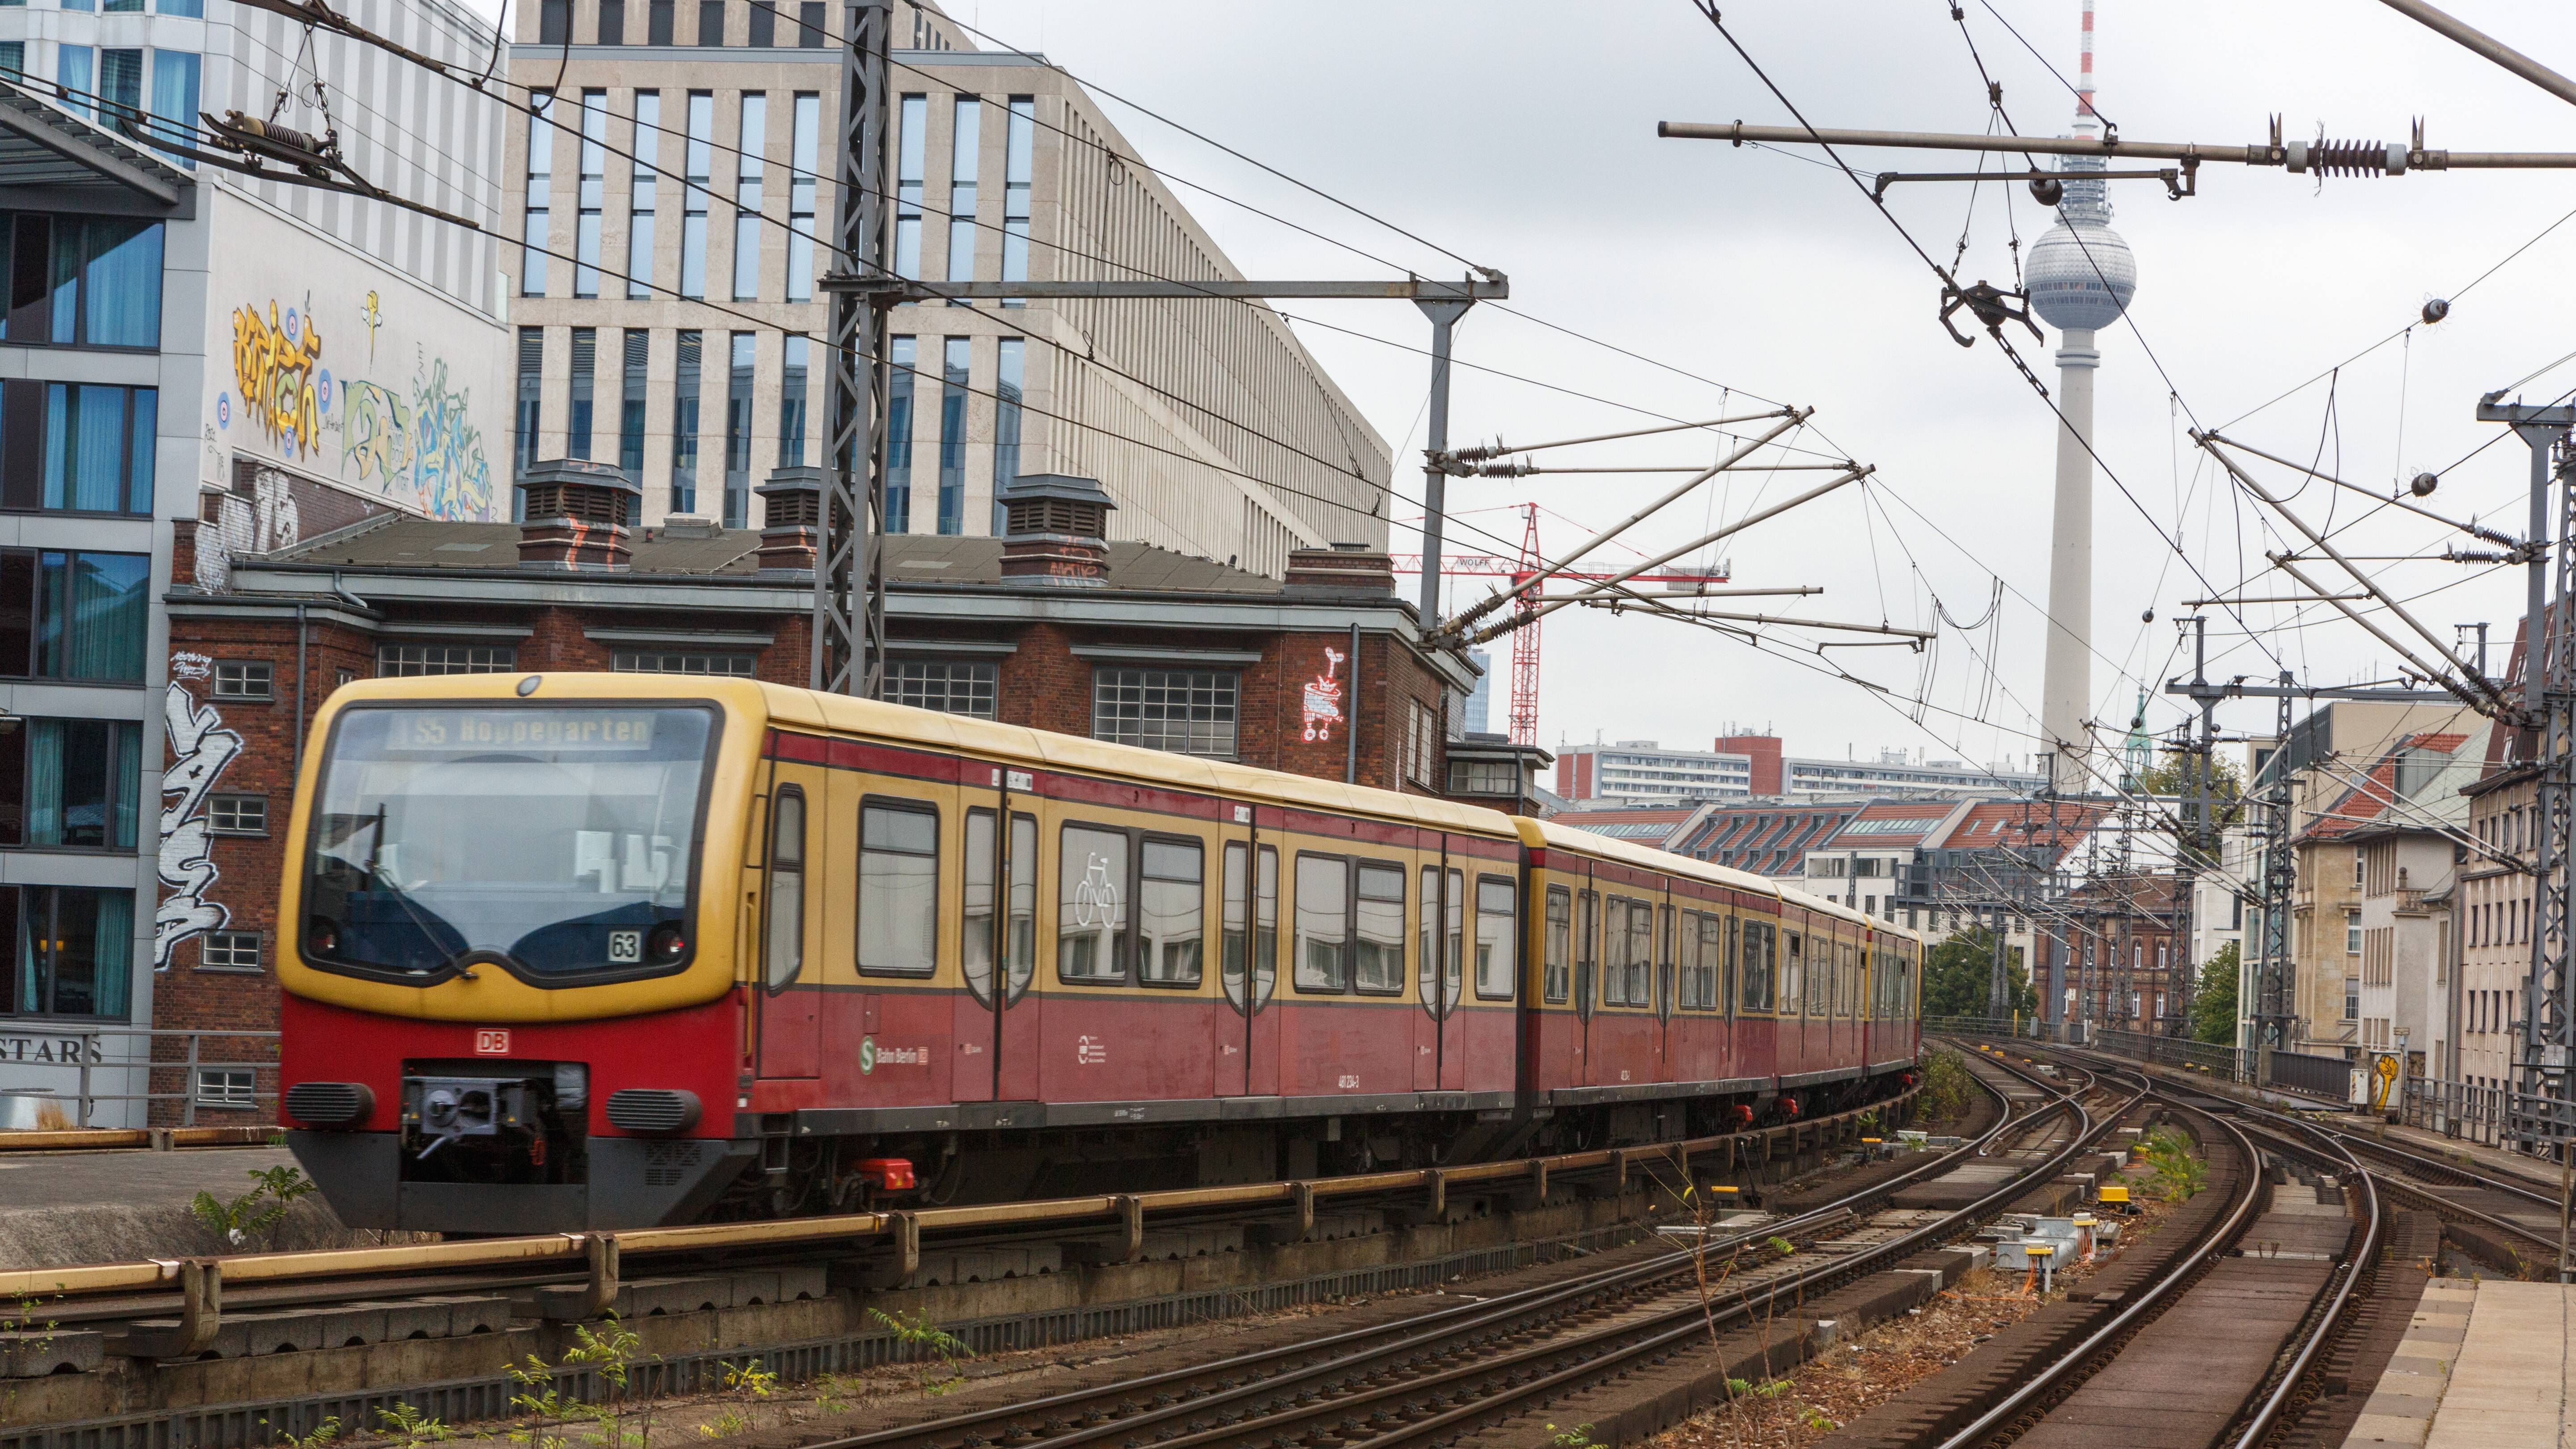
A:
2081,277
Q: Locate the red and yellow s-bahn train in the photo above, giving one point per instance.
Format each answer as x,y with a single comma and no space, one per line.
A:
584,950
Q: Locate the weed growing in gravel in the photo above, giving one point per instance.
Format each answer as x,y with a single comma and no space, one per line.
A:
323,1433
2179,1174
255,1212
926,1339
1578,1437
410,1426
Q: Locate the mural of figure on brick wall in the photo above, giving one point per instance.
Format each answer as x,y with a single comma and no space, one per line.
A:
1322,698
200,749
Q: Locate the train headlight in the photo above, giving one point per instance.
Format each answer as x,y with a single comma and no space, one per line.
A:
322,936
667,944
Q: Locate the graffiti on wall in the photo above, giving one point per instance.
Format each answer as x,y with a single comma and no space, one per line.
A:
200,749
263,522
1323,698
415,445
277,365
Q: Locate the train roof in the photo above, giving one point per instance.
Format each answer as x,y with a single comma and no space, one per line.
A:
1552,836
987,739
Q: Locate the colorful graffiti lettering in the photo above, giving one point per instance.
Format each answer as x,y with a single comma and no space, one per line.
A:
277,368
376,431
454,477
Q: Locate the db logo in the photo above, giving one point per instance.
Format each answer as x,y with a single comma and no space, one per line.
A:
491,1042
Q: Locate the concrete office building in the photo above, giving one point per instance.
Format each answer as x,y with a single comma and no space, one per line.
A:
684,338
273,360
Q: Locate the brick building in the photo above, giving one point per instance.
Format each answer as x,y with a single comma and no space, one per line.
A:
1048,627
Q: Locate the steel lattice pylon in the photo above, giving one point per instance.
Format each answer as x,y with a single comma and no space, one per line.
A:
2549,1013
1524,706
849,580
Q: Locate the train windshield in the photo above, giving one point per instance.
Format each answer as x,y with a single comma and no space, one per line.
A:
561,840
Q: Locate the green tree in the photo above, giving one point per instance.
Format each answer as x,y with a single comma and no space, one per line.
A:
2171,774
1959,970
2213,1001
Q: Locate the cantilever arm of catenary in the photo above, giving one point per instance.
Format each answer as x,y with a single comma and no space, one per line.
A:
2502,540
2484,698
1789,418
1854,473
1497,448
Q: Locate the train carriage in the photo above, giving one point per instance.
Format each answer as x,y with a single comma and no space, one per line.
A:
590,950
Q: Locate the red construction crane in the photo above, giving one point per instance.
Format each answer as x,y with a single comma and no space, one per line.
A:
1524,702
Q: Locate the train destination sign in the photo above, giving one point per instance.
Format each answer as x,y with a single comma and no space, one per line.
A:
508,729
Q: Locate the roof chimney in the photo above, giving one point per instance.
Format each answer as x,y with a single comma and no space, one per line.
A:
579,513
1342,568
793,532
1054,531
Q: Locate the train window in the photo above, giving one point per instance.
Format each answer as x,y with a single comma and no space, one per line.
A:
1758,940
1379,919
1452,962
1641,953
1614,952
1172,909
1587,950
1497,927
898,889
785,948
1091,908
1726,988
1792,984
1558,967
1264,938
1686,954
975,951
1323,922
1703,949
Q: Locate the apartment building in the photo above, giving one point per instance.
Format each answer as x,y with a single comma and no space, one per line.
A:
2406,972
673,203
2492,902
187,343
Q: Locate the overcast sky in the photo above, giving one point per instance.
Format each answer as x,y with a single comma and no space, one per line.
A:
1523,137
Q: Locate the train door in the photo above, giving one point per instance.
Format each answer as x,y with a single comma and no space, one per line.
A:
1430,945
997,1046
1262,1013
1587,973
1451,1055
1664,986
1249,880
791,994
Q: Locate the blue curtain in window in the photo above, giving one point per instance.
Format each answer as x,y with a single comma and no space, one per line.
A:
114,962
72,71
59,441
124,284
146,441
32,902
124,782
174,88
45,782
91,613
120,85
98,475
193,9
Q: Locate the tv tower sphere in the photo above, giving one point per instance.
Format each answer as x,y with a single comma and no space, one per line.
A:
2081,275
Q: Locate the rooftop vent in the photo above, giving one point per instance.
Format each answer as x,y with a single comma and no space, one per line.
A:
1345,567
1055,529
579,514
791,538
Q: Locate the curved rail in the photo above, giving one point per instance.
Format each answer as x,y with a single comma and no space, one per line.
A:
2356,1266
2136,1311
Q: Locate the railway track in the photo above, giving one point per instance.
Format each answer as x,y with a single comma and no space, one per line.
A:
1453,1375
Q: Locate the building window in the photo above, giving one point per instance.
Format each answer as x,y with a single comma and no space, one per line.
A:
541,162
92,447
764,24
907,204
1188,711
952,435
630,401
2352,998
120,88
530,418
693,196
746,194
554,22
711,22
412,661
227,1088
950,686
612,22
640,190
966,146
174,97
899,392
83,282
71,784
245,679
594,165
1007,371
737,459
793,352
684,425
230,951
803,157
676,661
237,814
2352,933
809,23
1422,744
585,390
1017,168
74,949
1484,777
657,21
66,615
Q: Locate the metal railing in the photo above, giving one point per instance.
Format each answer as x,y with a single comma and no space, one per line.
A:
2025,1027
90,1060
2506,1117
2226,1063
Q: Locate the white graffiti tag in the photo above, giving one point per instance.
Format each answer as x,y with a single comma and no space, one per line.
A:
200,748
